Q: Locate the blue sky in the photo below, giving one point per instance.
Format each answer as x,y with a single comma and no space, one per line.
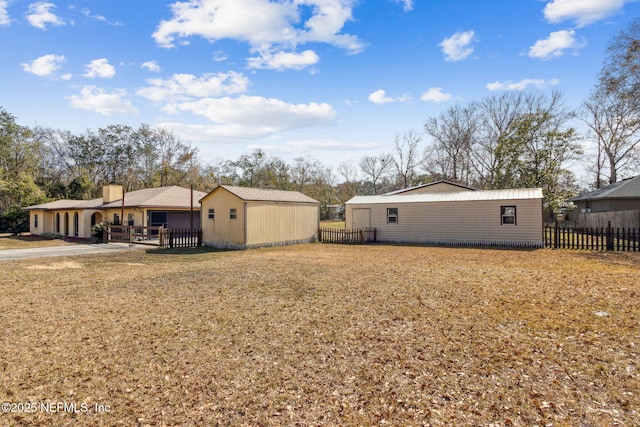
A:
330,79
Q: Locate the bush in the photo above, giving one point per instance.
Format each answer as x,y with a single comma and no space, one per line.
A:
51,236
14,220
98,230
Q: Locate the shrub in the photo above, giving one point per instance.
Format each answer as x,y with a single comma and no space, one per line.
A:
51,236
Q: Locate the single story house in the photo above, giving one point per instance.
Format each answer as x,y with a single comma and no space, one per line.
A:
478,217
241,217
618,203
170,207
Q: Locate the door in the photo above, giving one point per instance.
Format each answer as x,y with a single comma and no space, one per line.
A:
361,218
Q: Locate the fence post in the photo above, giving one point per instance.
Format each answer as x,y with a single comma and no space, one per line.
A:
609,237
556,236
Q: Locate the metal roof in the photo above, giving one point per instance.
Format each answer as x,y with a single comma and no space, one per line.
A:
266,195
626,189
458,196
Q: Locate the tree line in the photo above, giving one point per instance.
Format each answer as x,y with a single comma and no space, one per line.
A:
508,140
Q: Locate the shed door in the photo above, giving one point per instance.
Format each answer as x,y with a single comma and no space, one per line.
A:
361,218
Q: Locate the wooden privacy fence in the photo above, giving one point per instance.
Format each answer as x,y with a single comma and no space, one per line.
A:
337,235
597,239
159,236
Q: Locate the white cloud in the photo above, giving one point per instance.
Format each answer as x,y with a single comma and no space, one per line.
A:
45,65
380,97
100,68
522,84
92,98
254,116
407,5
4,15
40,15
271,28
435,94
458,46
151,66
582,12
284,60
182,87
555,45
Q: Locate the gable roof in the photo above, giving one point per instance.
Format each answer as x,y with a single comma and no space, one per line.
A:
626,189
160,197
265,195
429,184
456,196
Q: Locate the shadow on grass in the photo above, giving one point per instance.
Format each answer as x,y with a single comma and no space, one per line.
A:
184,251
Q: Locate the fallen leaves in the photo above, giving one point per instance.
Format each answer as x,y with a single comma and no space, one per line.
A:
327,335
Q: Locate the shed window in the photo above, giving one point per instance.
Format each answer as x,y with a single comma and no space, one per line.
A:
233,213
508,215
392,215
35,220
212,214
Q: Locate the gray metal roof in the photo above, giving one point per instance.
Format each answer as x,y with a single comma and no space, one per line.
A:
266,195
458,196
626,189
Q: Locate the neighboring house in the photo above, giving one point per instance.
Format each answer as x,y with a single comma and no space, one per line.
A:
480,217
441,186
166,206
242,217
618,203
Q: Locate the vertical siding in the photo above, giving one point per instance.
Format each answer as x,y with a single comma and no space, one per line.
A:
222,231
473,222
277,223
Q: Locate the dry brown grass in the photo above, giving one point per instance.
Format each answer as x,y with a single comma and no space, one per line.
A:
326,335
25,242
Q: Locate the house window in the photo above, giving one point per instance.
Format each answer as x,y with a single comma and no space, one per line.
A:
233,213
130,219
212,214
116,219
392,215
35,220
508,215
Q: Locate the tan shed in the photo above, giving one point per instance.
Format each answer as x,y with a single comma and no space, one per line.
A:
480,218
241,217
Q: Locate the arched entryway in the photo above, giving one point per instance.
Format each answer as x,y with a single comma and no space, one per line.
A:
76,224
66,224
96,218
57,229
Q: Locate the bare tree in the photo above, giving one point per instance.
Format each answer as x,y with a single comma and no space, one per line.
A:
615,127
376,167
453,133
407,156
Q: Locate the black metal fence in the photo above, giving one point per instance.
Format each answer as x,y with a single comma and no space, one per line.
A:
596,239
338,235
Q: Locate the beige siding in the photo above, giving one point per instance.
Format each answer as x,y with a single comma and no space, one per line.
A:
222,231
441,187
457,222
271,223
